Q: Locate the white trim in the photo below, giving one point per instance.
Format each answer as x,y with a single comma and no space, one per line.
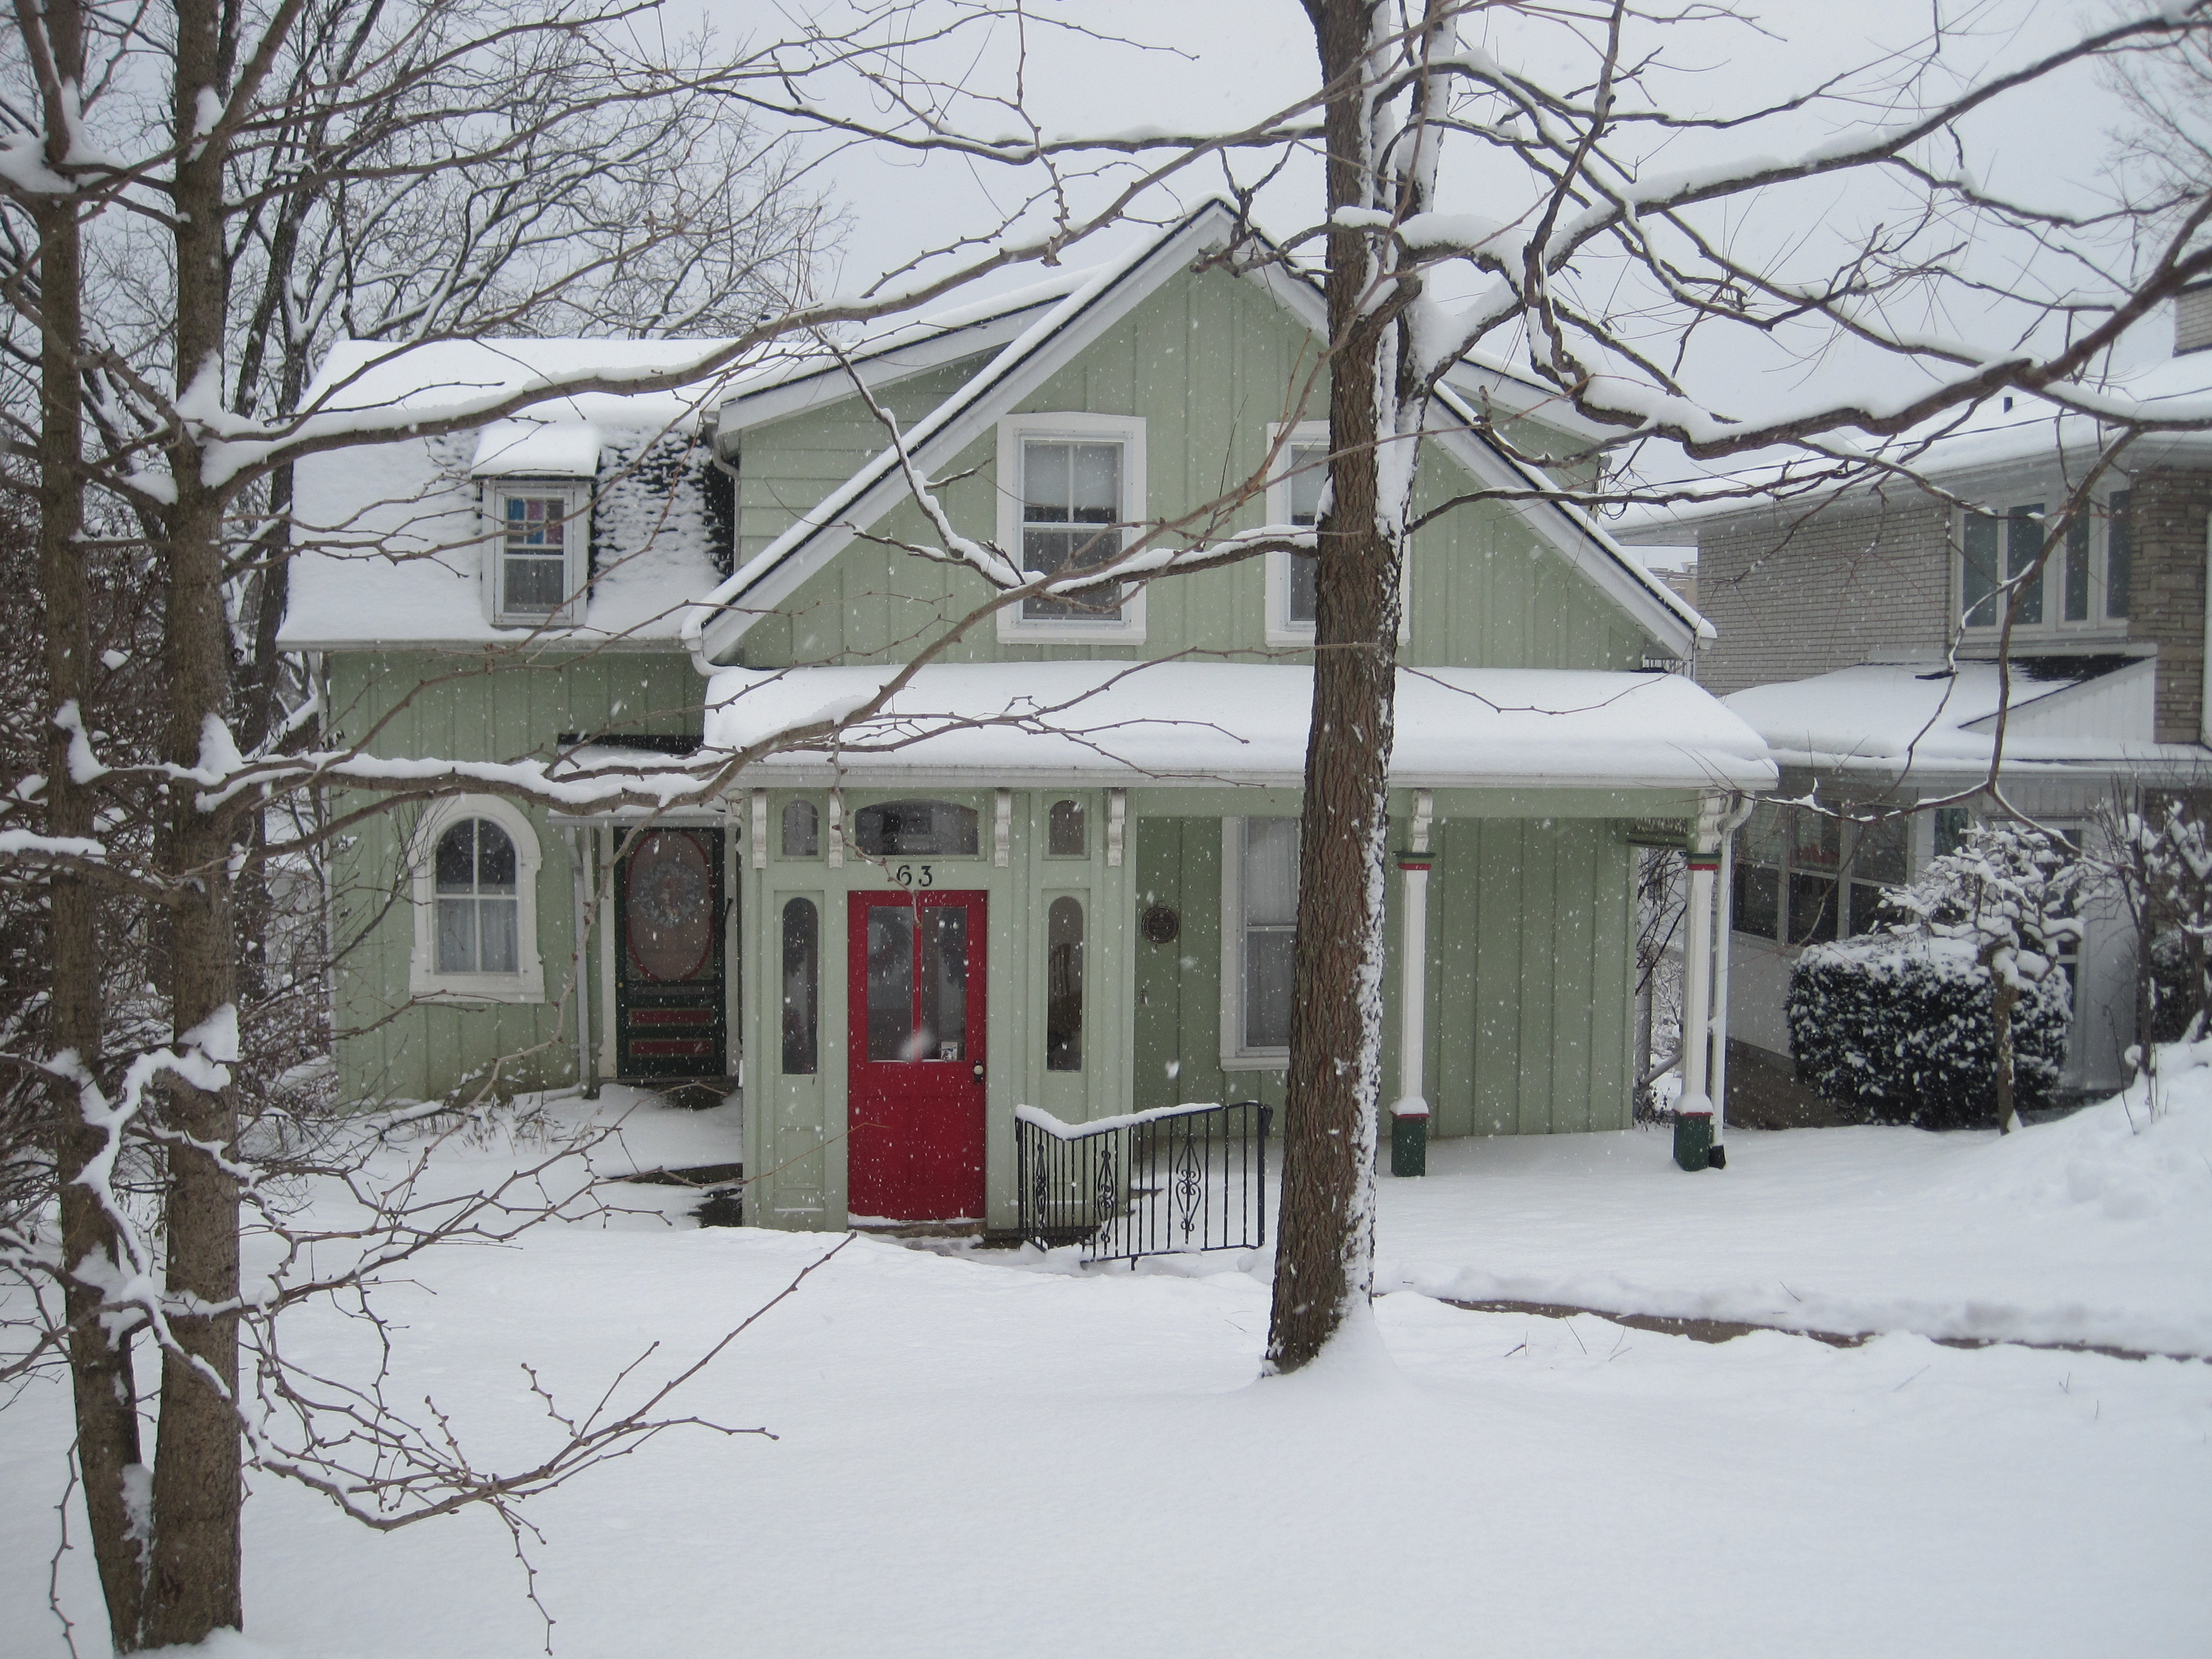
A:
724,616
1128,430
1235,1056
576,550
1280,630
424,979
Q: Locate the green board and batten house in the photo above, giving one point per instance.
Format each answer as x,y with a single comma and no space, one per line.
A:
1047,875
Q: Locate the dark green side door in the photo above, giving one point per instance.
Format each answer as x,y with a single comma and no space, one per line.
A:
670,1009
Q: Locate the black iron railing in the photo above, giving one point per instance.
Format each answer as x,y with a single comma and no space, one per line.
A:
1173,1179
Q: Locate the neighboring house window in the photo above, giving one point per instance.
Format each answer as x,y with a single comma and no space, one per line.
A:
1260,912
541,539
2084,583
1802,877
476,904
1071,487
1294,498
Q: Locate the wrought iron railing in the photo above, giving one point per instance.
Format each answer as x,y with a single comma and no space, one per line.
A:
1158,1183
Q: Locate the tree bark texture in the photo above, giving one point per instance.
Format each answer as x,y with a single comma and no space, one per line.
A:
105,1392
194,1586
1326,1232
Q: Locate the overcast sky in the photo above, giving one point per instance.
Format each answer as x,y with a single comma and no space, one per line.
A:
1217,64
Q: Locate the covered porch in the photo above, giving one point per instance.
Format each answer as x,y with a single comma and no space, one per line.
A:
1070,886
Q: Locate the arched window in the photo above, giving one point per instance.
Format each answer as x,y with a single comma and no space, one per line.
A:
1063,985
802,830
915,828
476,911
1063,836
802,984
477,899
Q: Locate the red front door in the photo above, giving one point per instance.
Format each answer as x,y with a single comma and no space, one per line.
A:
914,1082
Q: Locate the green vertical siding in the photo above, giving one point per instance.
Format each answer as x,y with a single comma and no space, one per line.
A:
430,703
1528,984
1212,364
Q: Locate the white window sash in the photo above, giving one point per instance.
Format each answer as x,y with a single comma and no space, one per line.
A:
1128,431
574,553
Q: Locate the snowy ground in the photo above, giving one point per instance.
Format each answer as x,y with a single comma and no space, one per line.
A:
988,1454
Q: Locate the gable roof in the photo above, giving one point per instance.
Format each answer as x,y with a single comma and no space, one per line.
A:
1052,338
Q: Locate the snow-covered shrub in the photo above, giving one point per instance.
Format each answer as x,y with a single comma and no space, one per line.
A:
1900,1027
2156,849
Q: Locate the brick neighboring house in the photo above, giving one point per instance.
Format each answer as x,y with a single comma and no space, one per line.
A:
1859,634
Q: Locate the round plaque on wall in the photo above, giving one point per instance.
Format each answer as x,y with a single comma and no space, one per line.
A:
1162,924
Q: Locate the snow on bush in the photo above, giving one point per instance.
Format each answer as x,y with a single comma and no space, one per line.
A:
1959,1015
1898,1026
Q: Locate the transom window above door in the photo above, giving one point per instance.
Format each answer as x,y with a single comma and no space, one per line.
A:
1072,486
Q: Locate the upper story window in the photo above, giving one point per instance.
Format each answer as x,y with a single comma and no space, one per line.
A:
2084,584
540,546
1294,498
1071,486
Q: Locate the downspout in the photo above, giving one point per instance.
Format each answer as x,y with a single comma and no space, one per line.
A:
1723,941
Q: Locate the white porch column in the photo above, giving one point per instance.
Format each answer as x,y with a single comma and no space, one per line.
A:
580,854
1724,948
1694,1113
1412,1106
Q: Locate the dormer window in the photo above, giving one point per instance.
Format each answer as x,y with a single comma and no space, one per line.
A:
539,552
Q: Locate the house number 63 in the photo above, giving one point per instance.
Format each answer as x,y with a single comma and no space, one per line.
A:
914,875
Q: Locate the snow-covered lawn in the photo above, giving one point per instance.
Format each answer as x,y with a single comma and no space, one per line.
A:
990,1454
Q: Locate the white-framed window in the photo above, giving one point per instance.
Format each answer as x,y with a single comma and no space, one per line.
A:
474,862
1259,919
1294,497
537,551
2086,585
1070,487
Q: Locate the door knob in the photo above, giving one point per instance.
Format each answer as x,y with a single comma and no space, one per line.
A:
979,1071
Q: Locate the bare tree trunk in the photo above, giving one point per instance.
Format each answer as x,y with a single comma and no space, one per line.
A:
105,1392
1323,1259
194,1587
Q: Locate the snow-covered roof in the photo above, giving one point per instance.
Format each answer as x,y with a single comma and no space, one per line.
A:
1053,337
1187,723
1924,717
390,533
1993,440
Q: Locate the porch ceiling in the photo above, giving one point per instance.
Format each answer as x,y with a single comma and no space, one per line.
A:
1201,724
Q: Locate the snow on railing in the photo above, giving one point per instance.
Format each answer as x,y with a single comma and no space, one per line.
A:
1161,1181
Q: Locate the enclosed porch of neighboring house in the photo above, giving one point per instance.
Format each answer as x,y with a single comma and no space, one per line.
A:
1064,892
1864,742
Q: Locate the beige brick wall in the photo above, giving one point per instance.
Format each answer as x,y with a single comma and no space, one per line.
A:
2167,600
1794,593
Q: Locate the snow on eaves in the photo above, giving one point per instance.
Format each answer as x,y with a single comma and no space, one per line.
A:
1180,722
1887,719
390,533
